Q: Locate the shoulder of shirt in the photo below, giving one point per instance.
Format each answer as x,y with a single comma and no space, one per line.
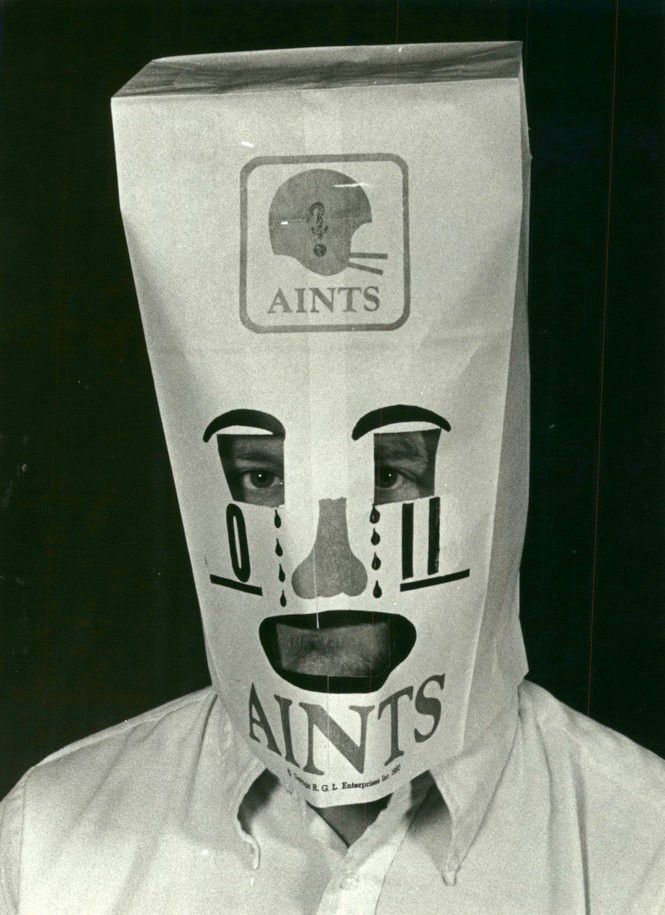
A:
176,717
603,755
112,771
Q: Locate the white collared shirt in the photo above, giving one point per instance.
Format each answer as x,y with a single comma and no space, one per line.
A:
171,813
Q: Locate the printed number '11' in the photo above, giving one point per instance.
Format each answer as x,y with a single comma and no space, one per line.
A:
433,540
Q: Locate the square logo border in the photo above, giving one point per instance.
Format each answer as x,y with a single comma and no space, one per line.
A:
258,161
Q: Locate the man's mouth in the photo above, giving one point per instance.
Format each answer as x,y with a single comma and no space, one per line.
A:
339,651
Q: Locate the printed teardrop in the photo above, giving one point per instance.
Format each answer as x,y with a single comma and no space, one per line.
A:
281,575
374,539
282,600
374,515
278,520
278,548
376,563
377,592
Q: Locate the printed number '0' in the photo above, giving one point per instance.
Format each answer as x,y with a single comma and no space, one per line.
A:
235,526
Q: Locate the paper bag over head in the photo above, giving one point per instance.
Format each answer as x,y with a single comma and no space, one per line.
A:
329,248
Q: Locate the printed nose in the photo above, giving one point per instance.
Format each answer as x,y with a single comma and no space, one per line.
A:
331,568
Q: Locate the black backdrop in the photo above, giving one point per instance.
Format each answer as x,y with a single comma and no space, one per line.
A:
99,614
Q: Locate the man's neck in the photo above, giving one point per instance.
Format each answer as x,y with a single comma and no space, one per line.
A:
351,820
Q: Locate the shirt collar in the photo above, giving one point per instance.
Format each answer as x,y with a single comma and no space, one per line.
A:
467,783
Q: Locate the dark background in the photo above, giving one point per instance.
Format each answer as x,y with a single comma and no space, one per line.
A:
99,615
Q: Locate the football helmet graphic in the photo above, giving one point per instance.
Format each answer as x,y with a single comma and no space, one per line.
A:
313,217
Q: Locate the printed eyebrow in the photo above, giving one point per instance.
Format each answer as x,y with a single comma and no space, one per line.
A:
398,413
252,418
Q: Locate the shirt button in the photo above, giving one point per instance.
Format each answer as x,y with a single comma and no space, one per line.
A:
349,882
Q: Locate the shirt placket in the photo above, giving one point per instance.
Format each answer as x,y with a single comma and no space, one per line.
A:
356,885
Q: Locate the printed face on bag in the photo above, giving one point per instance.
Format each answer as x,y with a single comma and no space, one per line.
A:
340,650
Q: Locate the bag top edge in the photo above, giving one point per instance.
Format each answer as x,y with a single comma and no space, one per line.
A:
324,68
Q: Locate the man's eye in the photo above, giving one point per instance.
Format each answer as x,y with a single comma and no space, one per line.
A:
388,478
404,465
254,468
260,479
